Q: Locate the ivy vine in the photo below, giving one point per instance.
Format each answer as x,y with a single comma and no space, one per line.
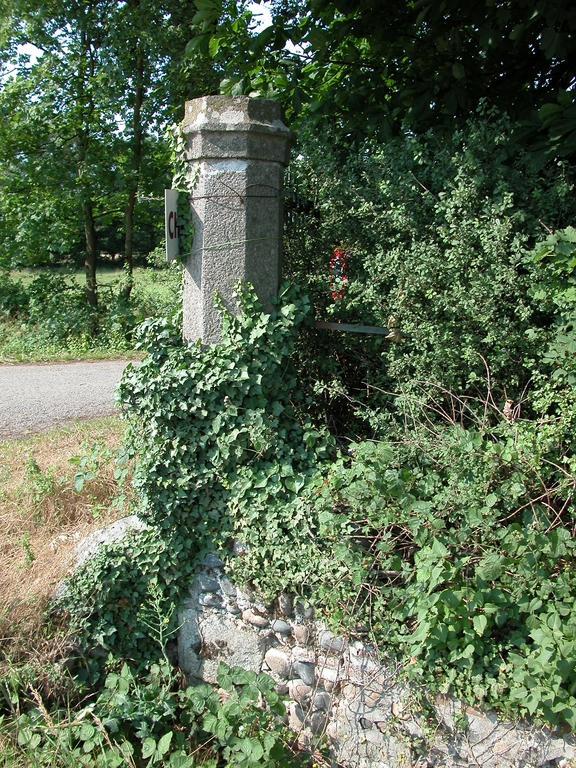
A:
222,454
184,180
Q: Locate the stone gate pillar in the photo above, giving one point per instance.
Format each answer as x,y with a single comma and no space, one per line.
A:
238,147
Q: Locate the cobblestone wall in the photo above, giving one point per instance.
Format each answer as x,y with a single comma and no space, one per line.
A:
341,692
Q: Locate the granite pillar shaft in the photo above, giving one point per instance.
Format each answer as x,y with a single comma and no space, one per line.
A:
237,148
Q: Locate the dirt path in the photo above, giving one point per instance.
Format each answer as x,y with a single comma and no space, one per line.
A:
38,396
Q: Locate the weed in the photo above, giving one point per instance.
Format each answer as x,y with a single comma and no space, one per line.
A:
41,486
89,462
29,556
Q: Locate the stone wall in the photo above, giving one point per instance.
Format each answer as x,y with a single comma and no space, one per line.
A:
340,692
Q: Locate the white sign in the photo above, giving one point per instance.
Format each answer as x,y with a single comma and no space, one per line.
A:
171,223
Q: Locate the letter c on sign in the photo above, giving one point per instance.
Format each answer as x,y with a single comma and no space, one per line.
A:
171,231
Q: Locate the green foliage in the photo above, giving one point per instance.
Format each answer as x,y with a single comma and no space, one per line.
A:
556,291
367,69
29,555
82,159
222,452
89,463
460,552
48,316
559,120
59,306
449,538
42,484
13,296
222,437
147,718
452,545
439,234
151,720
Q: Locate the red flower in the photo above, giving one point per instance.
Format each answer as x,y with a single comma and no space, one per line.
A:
338,273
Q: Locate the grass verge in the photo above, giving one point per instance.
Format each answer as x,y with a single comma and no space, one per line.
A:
56,487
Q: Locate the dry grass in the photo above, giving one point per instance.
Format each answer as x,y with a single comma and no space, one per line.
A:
43,517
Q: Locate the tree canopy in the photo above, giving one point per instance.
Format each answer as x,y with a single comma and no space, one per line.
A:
369,67
80,139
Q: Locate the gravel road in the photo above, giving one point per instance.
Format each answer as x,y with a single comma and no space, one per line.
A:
35,396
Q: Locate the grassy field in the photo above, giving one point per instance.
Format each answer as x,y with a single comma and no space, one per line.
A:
144,277
56,487
44,316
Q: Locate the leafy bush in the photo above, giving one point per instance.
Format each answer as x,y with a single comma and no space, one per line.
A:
556,292
50,316
222,452
460,551
153,720
438,232
13,297
60,306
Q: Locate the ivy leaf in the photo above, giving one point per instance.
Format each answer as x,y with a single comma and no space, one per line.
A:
148,747
164,744
480,623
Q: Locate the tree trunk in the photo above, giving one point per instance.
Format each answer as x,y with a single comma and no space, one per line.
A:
136,164
91,254
86,106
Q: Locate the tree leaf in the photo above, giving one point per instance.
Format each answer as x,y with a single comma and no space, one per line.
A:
164,743
148,747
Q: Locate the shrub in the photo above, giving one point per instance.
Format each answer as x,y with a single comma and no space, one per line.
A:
438,232
222,452
460,551
13,297
50,317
